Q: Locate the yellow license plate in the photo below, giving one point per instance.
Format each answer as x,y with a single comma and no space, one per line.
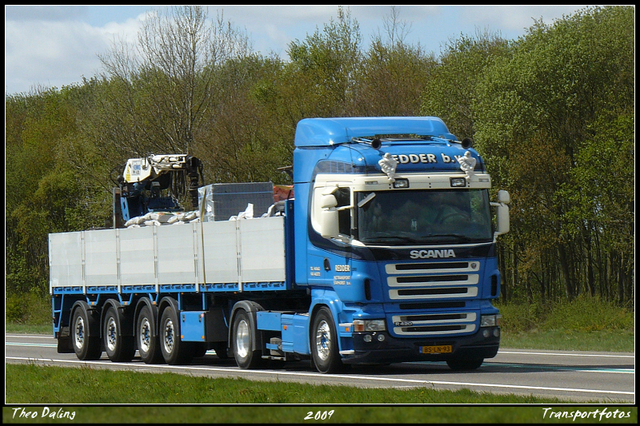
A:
442,349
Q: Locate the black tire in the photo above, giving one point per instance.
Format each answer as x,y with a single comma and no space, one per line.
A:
174,351
243,335
148,344
119,348
324,342
199,349
86,346
465,364
221,350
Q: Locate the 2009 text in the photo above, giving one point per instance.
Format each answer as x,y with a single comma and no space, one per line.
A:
319,415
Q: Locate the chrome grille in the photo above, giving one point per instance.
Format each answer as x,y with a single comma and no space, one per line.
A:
434,324
435,280
433,283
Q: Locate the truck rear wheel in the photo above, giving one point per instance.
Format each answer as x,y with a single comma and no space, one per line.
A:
85,346
148,345
243,335
119,348
174,350
324,342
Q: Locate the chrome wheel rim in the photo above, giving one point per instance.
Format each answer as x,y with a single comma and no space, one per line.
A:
145,335
112,334
243,339
169,336
79,332
323,340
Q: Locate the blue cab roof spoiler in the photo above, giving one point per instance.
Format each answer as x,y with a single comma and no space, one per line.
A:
316,132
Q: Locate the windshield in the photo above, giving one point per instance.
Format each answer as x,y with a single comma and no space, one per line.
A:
423,217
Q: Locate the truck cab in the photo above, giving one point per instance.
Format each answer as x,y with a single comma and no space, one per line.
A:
400,244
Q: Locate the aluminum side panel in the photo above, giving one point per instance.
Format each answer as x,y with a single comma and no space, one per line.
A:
101,264
177,247
137,263
262,249
220,252
65,259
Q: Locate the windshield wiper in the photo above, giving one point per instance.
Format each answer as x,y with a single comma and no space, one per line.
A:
456,237
366,200
429,238
389,239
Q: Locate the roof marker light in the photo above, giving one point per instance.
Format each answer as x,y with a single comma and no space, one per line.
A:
458,182
401,183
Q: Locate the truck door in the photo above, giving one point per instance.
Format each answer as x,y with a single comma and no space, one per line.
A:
329,259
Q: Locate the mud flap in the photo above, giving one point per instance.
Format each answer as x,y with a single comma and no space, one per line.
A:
65,345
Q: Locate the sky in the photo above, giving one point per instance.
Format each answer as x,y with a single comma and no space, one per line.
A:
54,46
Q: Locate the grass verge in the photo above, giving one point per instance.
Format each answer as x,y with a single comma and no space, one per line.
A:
88,385
570,340
244,401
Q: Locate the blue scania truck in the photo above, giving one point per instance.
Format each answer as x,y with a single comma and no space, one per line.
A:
386,253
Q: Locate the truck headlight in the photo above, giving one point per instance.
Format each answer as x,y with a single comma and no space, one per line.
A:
489,320
369,325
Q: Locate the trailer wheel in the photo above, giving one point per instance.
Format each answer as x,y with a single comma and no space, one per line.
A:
85,346
174,350
324,342
243,334
148,345
119,348
466,364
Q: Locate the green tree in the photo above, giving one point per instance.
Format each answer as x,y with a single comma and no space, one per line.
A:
244,142
393,73
163,88
321,80
42,122
537,115
451,89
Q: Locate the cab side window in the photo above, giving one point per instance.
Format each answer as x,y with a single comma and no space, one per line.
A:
343,195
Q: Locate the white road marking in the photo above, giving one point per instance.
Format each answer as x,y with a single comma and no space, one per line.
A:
580,354
364,378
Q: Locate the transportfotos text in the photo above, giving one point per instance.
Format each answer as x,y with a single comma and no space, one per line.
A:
597,414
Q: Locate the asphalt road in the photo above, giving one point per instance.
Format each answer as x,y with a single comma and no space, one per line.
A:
567,375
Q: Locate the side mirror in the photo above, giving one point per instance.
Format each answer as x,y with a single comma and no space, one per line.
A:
502,213
504,197
328,225
328,201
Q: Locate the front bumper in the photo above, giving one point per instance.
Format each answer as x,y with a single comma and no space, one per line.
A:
392,349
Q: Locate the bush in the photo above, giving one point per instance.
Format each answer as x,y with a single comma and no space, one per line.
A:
30,308
584,313
521,317
588,313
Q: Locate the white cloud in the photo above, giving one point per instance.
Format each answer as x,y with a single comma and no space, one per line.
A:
44,13
514,18
274,15
55,46
53,53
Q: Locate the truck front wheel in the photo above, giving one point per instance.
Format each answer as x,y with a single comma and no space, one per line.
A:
243,334
324,342
85,346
